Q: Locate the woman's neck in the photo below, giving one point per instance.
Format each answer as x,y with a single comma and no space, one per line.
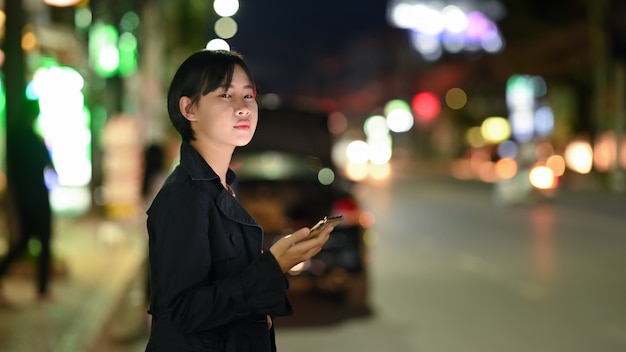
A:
217,158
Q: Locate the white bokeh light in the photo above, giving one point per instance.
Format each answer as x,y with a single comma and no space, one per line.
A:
226,8
217,44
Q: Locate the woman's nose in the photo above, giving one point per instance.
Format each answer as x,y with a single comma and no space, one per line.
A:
242,109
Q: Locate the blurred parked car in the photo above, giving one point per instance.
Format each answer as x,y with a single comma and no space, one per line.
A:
287,180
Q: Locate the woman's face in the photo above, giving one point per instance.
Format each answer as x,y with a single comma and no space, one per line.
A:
226,116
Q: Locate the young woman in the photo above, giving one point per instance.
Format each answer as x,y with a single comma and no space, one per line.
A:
212,287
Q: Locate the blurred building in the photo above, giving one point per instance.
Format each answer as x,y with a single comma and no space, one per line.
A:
115,57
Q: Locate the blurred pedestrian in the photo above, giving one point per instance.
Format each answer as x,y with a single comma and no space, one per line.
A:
27,161
154,174
153,170
213,288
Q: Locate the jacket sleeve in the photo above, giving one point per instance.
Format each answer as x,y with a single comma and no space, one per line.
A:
181,251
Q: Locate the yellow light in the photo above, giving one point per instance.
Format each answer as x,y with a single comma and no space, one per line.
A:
474,137
357,171
29,41
495,129
579,157
456,98
380,171
541,177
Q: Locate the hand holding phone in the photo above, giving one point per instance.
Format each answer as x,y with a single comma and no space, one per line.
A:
326,221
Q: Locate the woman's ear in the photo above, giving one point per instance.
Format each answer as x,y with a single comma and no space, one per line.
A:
185,105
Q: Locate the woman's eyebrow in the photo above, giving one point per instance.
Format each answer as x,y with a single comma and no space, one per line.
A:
246,86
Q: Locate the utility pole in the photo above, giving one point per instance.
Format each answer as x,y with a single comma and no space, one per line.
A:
14,66
617,181
15,83
616,15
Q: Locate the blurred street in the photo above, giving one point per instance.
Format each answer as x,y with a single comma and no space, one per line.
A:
450,271
97,262
529,92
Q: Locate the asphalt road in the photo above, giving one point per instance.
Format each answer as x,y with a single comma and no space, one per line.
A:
453,272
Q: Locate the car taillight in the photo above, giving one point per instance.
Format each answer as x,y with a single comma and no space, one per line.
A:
348,207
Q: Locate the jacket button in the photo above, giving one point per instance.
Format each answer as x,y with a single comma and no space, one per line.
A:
235,239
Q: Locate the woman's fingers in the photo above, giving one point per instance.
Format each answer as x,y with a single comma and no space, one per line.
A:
298,247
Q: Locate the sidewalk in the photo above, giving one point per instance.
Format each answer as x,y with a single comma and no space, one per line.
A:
102,260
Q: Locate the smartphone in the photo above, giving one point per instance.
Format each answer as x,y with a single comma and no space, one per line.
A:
332,220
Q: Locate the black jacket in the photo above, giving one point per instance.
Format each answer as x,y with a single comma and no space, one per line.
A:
212,287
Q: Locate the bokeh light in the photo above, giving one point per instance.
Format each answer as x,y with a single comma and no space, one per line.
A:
522,127
226,8
128,49
604,152
507,149
375,127
474,137
337,123
456,98
217,44
29,40
61,3
400,121
437,25
506,168
130,22
495,129
339,152
357,171
380,171
399,116
556,163
544,121
379,152
357,152
103,50
426,107
541,177
326,176
83,18
225,27
579,157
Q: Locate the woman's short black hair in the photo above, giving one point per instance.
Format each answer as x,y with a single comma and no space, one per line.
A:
201,73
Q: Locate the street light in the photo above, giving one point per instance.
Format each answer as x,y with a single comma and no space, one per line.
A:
447,25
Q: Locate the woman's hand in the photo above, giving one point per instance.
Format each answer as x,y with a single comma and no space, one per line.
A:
298,247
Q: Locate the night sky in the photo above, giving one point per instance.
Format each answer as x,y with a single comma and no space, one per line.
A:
334,48
282,40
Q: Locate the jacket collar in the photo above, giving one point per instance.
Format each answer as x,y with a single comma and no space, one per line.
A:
197,167
198,170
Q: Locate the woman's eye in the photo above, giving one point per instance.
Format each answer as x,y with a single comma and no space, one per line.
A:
249,96
225,95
